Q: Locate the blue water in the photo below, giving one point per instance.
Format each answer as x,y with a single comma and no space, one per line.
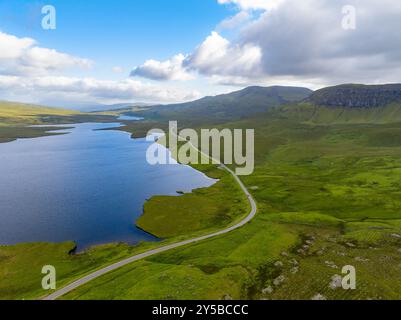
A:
129,118
86,186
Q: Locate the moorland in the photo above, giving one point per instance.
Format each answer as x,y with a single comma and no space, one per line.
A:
327,182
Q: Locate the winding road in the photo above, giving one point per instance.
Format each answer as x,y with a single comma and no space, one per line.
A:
115,266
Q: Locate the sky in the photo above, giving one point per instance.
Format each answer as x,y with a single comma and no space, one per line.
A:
157,51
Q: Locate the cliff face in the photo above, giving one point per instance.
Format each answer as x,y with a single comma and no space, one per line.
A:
357,96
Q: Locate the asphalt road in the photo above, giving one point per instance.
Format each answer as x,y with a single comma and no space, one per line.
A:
80,282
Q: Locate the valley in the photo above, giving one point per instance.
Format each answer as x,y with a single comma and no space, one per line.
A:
327,183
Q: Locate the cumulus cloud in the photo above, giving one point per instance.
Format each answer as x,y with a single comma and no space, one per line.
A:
306,40
214,56
235,21
171,69
217,56
288,42
22,56
27,72
89,89
253,4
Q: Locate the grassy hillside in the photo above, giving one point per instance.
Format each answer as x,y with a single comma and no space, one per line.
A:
328,196
17,113
16,119
327,183
357,96
307,112
228,107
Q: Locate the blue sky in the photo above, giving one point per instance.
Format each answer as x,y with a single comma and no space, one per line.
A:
163,51
119,32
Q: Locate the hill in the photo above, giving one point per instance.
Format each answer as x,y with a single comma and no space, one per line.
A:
13,112
357,96
328,196
227,107
309,113
348,103
16,120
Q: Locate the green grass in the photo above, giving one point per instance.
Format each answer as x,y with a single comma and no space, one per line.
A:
328,195
9,133
377,270
306,218
21,265
214,269
227,107
313,114
332,186
18,113
204,209
16,119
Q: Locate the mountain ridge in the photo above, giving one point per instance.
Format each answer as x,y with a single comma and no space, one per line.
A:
232,106
357,96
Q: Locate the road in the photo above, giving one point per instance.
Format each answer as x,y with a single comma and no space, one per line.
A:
80,282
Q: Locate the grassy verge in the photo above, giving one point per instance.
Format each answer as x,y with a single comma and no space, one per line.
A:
222,268
21,265
225,204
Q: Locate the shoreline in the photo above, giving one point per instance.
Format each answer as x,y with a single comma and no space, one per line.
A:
90,277
51,130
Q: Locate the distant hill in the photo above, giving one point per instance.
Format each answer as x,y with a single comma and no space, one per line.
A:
110,107
227,107
20,112
307,112
357,96
121,106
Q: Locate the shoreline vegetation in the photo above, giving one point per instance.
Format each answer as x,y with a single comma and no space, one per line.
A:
327,184
72,265
17,119
318,211
205,209
214,215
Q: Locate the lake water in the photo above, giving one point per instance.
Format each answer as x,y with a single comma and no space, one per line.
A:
129,118
87,186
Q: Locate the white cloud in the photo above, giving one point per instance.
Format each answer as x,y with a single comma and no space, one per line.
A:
215,56
21,56
117,69
301,42
235,21
27,74
171,69
90,90
253,4
305,40
287,42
